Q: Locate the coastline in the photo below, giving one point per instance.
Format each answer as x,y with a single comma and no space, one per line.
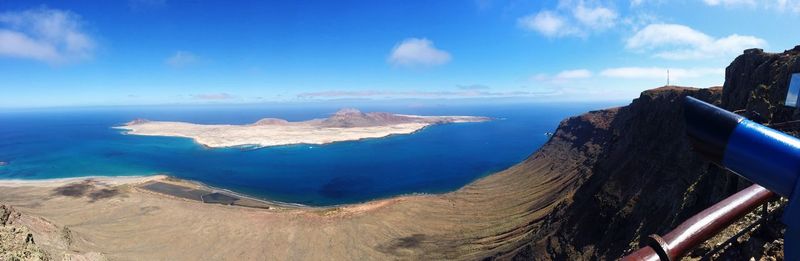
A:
113,181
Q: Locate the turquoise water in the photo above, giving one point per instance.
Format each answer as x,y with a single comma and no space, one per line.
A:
60,143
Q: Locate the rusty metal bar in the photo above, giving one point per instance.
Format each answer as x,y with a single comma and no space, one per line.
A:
702,226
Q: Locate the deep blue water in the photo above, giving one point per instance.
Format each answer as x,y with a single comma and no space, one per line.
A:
58,143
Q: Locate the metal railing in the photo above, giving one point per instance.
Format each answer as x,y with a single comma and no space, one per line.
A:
702,226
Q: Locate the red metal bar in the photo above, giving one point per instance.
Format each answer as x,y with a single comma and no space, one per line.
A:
702,226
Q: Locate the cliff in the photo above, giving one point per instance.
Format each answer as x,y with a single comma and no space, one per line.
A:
646,179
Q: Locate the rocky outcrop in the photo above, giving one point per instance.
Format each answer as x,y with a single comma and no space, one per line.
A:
16,241
29,237
758,82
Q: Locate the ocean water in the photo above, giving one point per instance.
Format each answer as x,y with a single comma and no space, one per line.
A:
59,143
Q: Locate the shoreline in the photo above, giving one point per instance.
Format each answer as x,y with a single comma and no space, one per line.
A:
142,179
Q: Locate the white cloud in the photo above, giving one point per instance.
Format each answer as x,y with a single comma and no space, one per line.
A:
661,73
574,74
596,18
680,42
563,76
48,35
786,5
473,87
730,2
417,52
572,18
387,94
548,24
181,59
776,5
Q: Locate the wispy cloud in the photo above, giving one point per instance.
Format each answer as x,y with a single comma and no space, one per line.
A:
379,94
181,59
596,18
549,24
413,52
572,18
43,34
779,5
473,87
563,76
661,73
213,96
680,42
730,2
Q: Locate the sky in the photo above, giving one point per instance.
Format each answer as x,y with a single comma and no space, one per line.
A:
155,52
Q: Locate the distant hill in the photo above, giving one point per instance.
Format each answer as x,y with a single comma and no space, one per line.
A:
349,117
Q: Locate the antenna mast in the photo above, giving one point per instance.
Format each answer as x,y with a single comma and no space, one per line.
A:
667,77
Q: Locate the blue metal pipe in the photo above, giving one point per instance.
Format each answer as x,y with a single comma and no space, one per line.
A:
760,154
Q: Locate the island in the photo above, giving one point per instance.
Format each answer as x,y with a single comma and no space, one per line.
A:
344,125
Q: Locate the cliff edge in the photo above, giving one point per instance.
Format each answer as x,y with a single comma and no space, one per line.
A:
646,178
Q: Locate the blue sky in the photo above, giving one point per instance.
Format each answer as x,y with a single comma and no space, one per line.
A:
141,52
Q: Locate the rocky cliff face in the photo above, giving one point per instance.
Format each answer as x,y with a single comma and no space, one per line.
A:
646,179
757,82
16,241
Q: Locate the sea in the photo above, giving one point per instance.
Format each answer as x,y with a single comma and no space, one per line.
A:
78,142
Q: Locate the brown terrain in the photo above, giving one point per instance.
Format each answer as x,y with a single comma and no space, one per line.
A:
604,181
